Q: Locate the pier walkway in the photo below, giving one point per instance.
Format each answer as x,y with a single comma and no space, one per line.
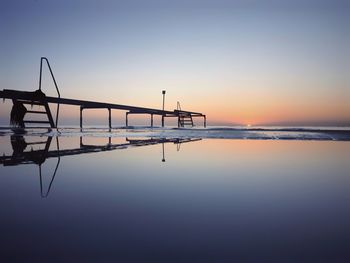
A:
30,98
20,98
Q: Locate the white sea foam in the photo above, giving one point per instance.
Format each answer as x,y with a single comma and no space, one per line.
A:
260,133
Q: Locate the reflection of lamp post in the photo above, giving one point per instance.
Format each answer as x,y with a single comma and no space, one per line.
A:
163,160
163,92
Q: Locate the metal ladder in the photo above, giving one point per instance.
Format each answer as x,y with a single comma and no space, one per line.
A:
35,112
184,120
42,101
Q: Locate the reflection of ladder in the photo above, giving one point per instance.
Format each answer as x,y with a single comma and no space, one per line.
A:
46,111
185,119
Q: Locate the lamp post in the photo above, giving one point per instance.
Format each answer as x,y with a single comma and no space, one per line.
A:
163,92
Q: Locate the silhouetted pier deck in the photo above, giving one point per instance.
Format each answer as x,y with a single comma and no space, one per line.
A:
26,97
20,98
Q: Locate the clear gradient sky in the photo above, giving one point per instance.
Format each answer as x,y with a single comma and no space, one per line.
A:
240,62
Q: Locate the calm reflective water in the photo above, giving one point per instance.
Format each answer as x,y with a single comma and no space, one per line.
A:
174,200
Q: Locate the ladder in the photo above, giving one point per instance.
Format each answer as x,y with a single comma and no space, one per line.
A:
185,120
46,111
39,98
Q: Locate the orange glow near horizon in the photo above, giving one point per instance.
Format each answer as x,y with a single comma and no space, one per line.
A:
283,109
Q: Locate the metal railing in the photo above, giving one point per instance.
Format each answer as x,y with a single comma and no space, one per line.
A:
54,81
178,106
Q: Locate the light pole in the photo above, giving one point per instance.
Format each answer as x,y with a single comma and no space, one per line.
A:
163,92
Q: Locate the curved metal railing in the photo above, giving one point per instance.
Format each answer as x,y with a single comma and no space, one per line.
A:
54,80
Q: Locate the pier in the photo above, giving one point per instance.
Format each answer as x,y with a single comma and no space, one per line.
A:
184,118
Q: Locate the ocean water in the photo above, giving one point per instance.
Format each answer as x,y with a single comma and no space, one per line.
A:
175,195
223,132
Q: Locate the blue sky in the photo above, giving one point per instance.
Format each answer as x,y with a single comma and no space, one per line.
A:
259,62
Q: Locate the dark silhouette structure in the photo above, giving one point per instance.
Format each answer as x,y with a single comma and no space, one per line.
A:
21,157
20,98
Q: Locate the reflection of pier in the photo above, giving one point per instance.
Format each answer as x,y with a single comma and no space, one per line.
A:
38,157
19,156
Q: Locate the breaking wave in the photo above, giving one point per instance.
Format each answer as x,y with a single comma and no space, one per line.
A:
258,133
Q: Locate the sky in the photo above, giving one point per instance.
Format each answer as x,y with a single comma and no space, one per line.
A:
239,62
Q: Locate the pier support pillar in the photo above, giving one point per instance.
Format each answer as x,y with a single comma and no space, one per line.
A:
81,117
126,119
205,121
162,120
152,120
109,118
